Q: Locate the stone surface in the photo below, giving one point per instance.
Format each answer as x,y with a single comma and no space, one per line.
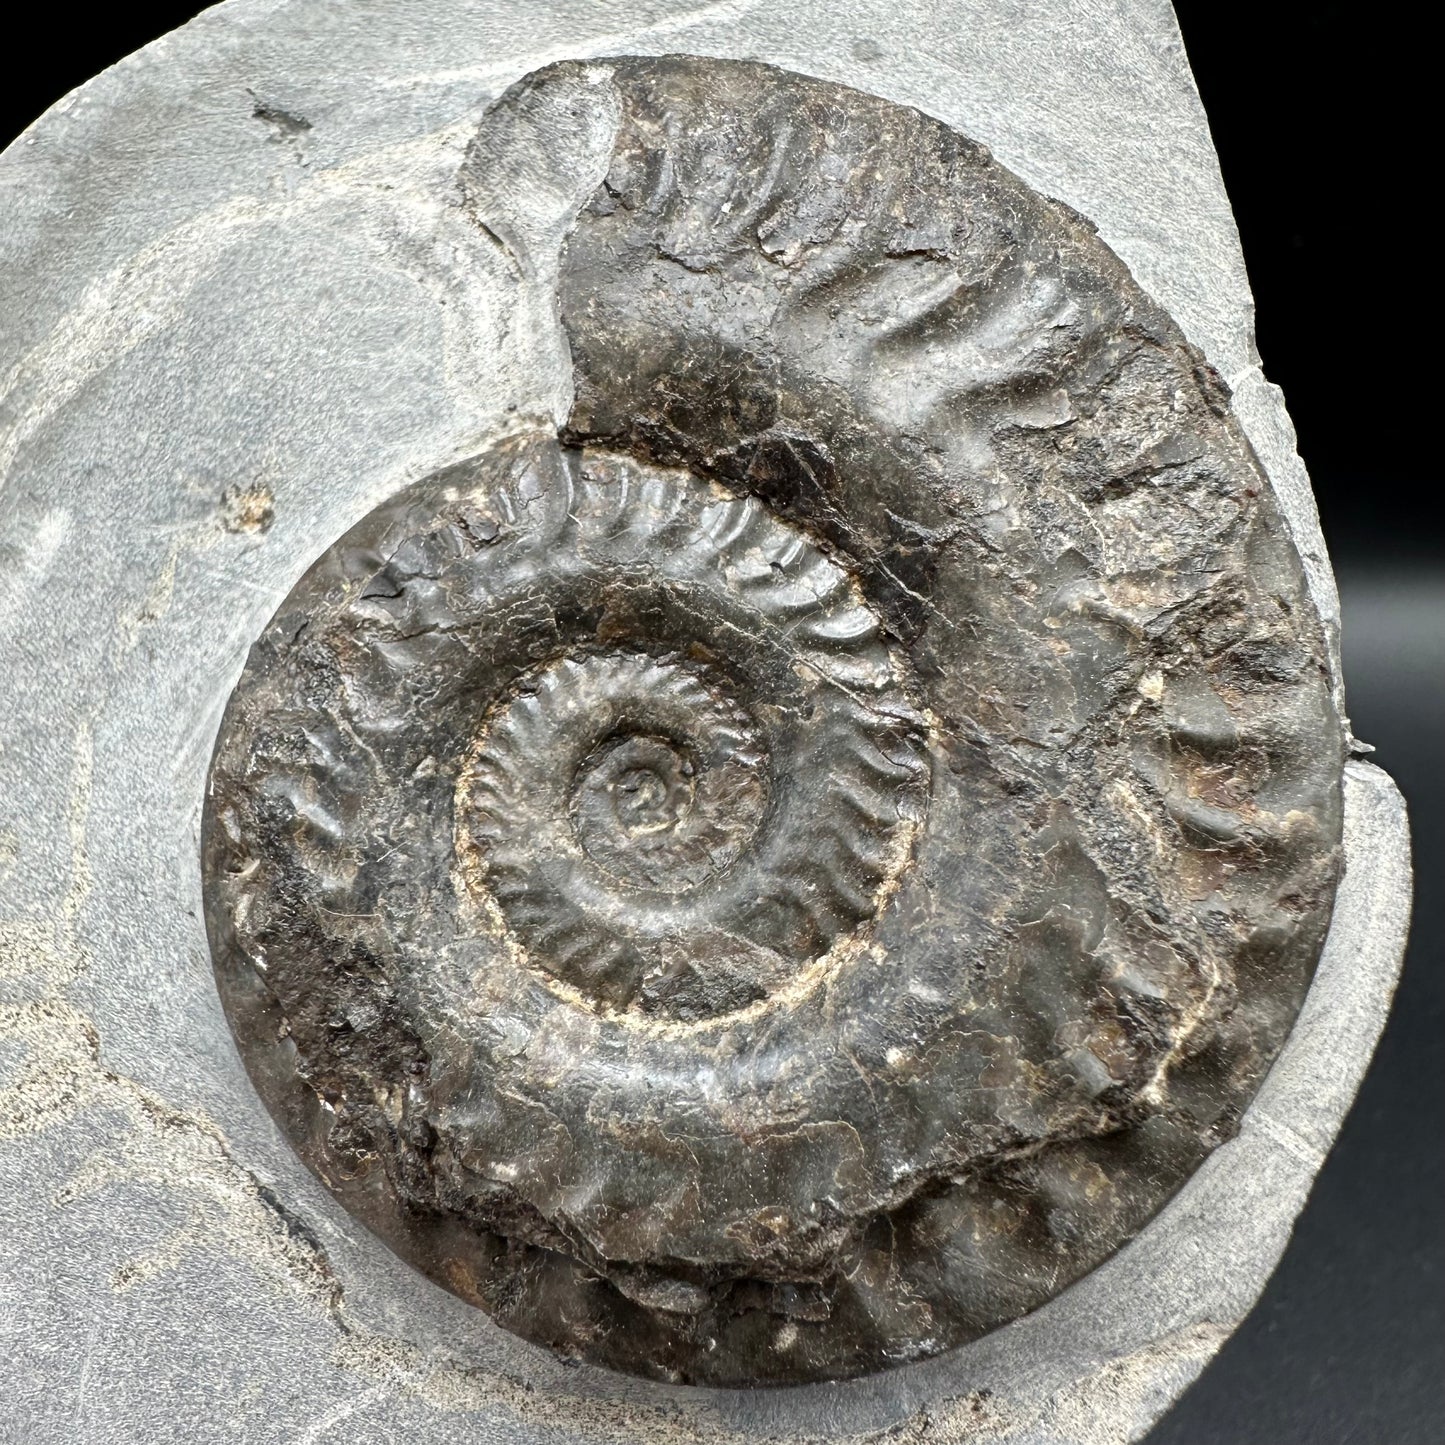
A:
181,435
789,892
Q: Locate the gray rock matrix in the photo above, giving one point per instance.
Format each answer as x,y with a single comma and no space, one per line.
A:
245,302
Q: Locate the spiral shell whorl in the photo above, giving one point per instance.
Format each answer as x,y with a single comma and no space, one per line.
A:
783,878
786,821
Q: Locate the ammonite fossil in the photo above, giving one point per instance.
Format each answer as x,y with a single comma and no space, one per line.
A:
786,874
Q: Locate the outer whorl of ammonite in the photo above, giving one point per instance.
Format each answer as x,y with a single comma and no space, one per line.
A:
783,877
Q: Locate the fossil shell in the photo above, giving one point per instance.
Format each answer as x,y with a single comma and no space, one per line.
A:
786,875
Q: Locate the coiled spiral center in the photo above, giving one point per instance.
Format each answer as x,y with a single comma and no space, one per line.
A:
622,771
715,781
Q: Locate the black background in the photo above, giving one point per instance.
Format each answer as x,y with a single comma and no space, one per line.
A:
1311,108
